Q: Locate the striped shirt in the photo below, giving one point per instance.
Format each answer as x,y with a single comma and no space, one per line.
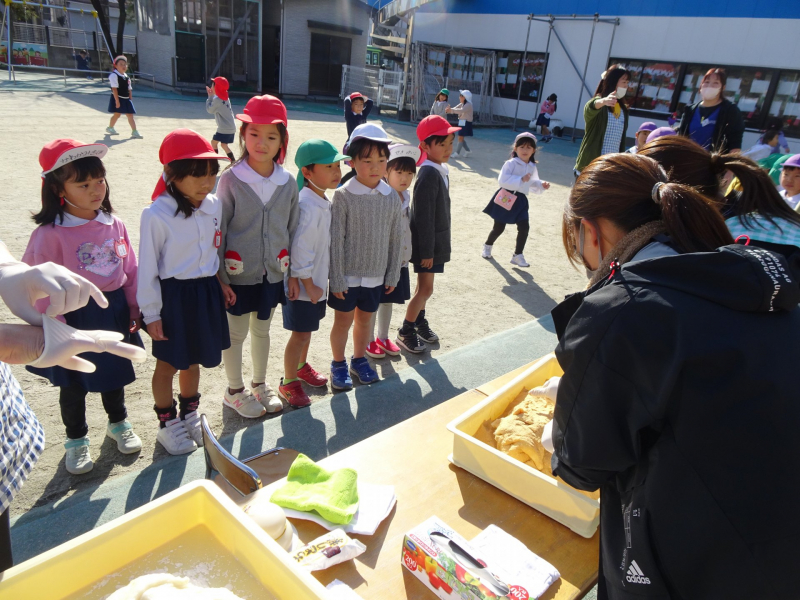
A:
760,229
613,137
21,438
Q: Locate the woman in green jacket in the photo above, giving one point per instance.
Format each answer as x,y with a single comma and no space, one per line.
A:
606,117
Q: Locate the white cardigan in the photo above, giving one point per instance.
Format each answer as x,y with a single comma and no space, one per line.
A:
512,173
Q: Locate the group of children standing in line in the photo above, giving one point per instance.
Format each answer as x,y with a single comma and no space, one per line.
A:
228,260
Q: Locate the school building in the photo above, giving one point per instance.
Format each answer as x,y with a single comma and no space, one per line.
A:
289,47
666,45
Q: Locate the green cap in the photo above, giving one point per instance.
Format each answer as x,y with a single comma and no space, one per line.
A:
445,91
315,152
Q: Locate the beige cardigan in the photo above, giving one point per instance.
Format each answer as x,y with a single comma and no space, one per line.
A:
464,111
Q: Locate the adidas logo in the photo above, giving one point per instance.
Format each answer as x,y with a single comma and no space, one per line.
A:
635,574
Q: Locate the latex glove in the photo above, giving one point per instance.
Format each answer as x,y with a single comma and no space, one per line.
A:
62,343
549,390
21,286
547,437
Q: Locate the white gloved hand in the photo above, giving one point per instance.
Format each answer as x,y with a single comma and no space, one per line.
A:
62,343
547,437
549,390
21,286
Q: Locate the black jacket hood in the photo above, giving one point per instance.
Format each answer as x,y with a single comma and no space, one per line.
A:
742,278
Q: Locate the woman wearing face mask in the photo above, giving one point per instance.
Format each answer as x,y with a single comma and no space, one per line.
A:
606,117
713,122
671,402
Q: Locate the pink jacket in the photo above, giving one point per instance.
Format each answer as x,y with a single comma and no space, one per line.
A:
98,250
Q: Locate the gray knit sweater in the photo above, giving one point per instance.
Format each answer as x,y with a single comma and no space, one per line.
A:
257,233
223,113
366,238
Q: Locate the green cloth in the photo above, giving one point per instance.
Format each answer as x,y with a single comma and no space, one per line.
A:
596,123
309,487
773,165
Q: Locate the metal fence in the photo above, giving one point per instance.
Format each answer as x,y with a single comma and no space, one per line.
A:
25,33
71,38
128,44
385,88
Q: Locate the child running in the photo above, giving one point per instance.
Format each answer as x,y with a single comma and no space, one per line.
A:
356,110
78,231
509,205
121,101
219,105
259,216
366,235
430,227
178,291
401,168
318,162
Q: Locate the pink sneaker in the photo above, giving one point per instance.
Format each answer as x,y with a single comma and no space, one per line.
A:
311,377
389,347
374,350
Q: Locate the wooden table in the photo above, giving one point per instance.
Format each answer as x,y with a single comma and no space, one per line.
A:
412,456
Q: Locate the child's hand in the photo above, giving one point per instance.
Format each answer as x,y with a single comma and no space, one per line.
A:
339,295
527,177
116,102
426,263
293,289
546,185
209,91
156,331
315,293
389,289
229,294
136,325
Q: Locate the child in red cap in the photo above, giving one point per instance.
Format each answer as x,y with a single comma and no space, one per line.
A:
356,110
178,290
260,212
78,231
430,227
219,105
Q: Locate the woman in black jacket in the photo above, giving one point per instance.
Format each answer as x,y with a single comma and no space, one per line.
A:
713,122
679,396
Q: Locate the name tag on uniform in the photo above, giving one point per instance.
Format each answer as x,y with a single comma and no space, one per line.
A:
121,248
217,234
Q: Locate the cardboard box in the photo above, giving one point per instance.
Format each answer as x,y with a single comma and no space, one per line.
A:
439,571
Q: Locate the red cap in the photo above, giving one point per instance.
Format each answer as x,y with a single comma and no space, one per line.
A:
434,125
267,110
58,153
180,145
355,95
221,87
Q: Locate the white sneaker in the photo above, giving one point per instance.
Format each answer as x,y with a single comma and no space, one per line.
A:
267,397
466,153
175,438
192,424
243,403
135,134
519,260
122,433
455,154
79,460
111,130
487,251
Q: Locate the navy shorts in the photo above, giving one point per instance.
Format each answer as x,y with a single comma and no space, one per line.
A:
402,291
363,298
433,269
303,315
225,138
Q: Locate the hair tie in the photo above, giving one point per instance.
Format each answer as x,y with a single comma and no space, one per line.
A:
656,193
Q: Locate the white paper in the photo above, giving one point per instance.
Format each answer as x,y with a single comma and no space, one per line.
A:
665,93
688,81
775,109
792,109
759,86
502,63
375,502
511,78
747,104
686,97
787,88
733,85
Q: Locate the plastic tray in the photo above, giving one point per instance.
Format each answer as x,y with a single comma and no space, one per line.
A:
554,498
198,513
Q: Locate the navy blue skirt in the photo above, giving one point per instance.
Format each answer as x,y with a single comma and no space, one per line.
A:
466,130
518,212
125,106
113,372
260,298
194,321
402,291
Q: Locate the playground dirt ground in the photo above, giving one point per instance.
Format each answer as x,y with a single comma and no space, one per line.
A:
473,299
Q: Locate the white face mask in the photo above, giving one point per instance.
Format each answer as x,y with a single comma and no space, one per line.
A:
621,92
709,93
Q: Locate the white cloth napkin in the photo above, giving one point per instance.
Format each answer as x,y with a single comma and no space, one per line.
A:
526,568
339,590
375,502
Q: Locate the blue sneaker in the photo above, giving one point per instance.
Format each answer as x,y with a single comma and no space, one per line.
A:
340,378
361,368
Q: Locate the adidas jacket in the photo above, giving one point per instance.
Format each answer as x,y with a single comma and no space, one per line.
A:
680,402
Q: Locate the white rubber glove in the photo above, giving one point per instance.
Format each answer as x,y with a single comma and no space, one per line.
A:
547,438
62,343
21,286
549,390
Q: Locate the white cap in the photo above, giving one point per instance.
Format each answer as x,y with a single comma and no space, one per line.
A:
467,94
369,131
404,150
